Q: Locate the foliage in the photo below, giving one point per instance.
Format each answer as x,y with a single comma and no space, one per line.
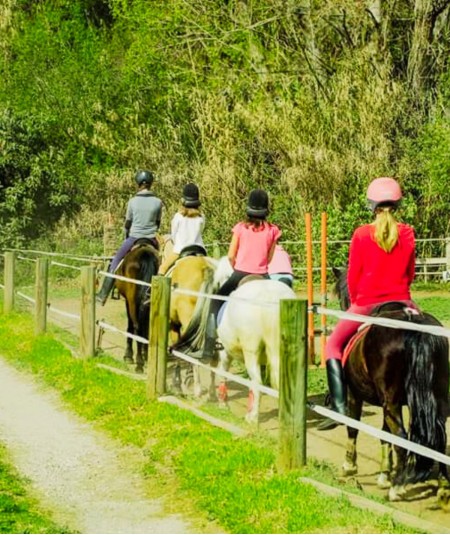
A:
309,100
187,460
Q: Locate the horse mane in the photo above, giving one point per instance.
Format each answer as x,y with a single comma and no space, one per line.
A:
223,272
341,287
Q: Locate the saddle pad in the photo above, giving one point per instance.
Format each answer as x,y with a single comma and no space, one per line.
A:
353,340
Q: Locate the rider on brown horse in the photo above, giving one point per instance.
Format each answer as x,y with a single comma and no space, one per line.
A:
142,221
381,269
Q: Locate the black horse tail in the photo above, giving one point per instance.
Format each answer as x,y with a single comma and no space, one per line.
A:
193,338
148,266
427,356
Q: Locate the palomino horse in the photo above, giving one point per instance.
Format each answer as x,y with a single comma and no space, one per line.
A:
141,263
190,275
394,367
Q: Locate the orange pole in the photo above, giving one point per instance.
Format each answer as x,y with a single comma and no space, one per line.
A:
323,287
310,287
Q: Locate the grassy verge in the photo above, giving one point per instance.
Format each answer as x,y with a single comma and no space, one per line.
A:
19,511
200,469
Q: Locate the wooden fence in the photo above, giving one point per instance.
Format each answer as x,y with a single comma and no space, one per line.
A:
293,347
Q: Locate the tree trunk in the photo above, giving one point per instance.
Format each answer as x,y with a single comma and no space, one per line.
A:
420,60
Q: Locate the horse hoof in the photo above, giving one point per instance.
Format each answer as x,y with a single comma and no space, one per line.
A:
251,419
139,369
396,493
383,481
443,499
349,469
223,405
128,360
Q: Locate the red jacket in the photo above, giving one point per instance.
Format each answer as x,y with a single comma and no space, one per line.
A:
375,276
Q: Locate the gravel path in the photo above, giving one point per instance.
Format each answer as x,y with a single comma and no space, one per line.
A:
78,473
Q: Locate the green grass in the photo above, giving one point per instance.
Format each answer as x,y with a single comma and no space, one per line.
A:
19,510
201,470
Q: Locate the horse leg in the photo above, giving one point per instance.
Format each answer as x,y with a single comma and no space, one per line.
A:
224,364
350,466
176,379
394,421
254,395
197,382
140,357
128,356
443,494
212,394
386,464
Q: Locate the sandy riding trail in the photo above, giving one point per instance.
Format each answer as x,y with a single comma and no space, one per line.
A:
89,482
326,446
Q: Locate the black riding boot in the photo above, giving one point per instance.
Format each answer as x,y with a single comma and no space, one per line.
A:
211,341
102,296
210,337
338,393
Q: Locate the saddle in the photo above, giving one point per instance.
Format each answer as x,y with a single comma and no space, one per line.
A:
249,278
142,242
193,250
385,309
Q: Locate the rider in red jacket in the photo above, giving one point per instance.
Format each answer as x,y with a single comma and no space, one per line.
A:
380,269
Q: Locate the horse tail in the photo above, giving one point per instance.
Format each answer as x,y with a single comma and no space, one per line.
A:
193,337
427,423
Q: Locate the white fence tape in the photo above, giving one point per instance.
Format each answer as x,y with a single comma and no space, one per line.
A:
53,263
63,313
385,322
30,299
126,279
109,327
382,435
250,384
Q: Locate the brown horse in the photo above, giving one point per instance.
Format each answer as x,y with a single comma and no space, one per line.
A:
141,263
391,368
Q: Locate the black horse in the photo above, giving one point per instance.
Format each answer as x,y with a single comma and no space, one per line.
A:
141,263
391,368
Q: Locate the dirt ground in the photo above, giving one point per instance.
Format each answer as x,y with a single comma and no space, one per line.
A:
328,446
90,483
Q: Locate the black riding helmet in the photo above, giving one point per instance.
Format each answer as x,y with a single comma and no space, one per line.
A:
191,196
144,177
258,204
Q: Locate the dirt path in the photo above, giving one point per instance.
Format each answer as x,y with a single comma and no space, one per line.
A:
79,474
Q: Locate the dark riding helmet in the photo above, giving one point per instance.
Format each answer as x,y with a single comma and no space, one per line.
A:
258,204
144,177
383,191
191,196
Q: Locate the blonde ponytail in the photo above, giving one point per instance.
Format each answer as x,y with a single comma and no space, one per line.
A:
386,229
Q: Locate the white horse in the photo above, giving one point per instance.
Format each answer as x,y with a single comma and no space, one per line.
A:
249,329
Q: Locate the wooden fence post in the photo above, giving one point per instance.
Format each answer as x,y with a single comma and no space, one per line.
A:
158,336
41,295
310,287
9,268
447,254
87,331
293,380
323,288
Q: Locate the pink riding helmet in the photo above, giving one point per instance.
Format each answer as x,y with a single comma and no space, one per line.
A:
383,191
